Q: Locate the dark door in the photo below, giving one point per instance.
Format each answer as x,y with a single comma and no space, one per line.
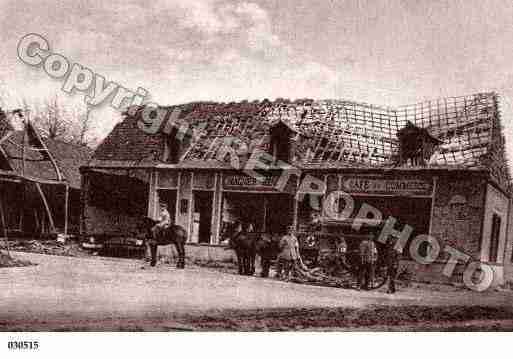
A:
169,197
203,208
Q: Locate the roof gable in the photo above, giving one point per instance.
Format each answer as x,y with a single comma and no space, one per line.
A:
127,142
39,154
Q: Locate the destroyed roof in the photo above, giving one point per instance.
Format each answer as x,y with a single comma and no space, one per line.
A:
331,133
38,165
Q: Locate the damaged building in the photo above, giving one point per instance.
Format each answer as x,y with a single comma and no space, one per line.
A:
438,166
39,182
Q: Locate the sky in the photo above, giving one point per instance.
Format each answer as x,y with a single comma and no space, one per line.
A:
390,53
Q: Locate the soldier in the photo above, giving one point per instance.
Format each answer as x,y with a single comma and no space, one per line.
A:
368,255
289,254
392,263
164,221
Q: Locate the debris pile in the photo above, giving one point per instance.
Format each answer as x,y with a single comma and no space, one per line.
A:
8,261
52,247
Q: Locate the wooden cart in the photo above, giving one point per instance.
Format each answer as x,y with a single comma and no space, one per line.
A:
336,247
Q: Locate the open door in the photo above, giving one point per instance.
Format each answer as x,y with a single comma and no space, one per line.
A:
202,216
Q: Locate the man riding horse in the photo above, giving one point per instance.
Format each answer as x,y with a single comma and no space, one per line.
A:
164,221
163,232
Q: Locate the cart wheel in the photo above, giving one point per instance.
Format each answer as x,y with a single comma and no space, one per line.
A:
380,278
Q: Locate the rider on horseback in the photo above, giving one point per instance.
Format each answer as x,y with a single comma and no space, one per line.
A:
164,221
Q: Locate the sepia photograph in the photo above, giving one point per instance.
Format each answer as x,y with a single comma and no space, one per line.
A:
255,166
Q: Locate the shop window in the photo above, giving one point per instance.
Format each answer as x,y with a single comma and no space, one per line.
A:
494,239
269,213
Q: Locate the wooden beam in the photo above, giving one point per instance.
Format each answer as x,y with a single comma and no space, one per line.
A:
4,224
66,209
52,160
47,207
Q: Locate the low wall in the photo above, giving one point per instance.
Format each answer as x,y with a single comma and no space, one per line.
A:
433,273
203,252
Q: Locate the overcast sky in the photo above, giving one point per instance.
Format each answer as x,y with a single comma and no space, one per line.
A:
384,52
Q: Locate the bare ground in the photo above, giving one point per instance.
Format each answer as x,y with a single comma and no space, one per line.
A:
64,293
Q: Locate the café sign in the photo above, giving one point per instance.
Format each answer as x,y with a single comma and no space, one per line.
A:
390,186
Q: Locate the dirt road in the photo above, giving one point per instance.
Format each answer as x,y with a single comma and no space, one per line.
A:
63,293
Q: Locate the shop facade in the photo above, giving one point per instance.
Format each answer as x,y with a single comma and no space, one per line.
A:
462,209
450,182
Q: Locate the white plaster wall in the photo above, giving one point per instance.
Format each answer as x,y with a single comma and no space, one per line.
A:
498,203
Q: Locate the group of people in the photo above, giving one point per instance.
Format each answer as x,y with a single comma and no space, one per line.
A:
288,258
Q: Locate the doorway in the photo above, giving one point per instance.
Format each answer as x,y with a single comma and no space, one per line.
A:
202,217
168,196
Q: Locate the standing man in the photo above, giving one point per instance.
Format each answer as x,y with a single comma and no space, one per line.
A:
289,254
392,263
368,257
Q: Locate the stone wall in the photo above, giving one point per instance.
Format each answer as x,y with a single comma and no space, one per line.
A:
458,211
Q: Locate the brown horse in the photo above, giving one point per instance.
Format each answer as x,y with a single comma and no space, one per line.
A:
174,234
244,245
247,244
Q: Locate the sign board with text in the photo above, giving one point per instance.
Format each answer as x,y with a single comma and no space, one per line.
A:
268,183
387,186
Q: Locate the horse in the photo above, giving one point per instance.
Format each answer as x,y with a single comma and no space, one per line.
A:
174,234
267,247
247,245
244,245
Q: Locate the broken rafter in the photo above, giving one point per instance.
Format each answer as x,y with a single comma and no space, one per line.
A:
46,205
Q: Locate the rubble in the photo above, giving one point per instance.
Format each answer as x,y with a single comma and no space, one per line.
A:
8,261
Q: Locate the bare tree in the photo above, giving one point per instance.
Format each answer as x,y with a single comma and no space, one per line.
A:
51,119
81,127
68,123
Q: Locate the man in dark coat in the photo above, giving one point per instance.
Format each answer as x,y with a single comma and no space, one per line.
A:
392,263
